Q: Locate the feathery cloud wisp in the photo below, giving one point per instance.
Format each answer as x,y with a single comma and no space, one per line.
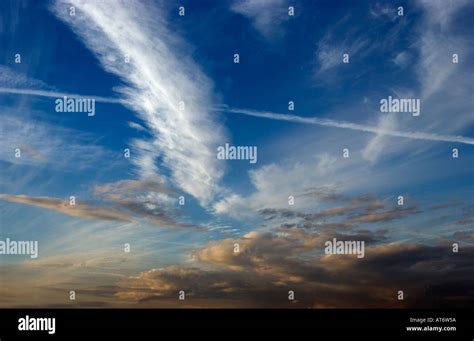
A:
265,15
157,79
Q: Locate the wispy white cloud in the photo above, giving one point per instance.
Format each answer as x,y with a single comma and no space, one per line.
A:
330,50
381,10
441,12
43,143
135,125
273,184
435,66
401,59
443,87
158,77
265,15
377,143
14,79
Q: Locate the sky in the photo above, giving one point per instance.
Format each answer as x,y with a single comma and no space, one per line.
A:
301,83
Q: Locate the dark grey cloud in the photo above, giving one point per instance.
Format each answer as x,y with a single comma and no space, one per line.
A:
150,199
266,268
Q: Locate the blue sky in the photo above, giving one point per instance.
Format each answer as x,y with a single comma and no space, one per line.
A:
190,59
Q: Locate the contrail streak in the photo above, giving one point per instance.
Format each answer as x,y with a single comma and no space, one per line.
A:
54,94
417,135
353,126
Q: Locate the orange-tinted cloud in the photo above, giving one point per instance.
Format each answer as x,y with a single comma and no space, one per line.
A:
268,266
80,210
